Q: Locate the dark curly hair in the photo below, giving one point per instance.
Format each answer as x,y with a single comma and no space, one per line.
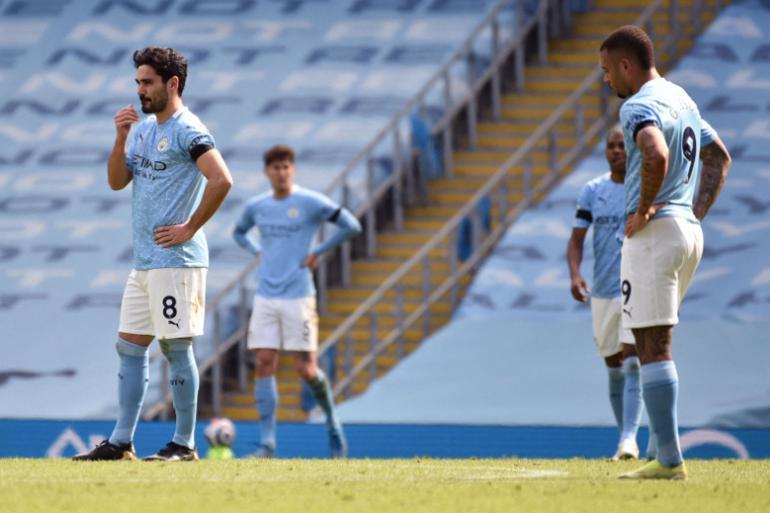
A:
166,62
632,41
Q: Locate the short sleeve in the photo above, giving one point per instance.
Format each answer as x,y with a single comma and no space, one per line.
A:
326,208
707,133
635,116
196,141
583,214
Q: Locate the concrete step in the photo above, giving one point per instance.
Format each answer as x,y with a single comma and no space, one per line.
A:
525,112
413,237
388,308
493,157
331,321
548,98
384,267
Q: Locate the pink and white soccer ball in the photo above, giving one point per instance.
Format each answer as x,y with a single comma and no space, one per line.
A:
220,432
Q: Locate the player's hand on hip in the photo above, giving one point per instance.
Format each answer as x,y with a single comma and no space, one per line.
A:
579,289
637,221
124,118
167,236
310,261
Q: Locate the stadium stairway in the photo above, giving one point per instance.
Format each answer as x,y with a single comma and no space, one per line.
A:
570,59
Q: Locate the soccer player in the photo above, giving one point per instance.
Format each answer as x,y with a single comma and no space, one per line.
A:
667,195
601,203
178,179
284,312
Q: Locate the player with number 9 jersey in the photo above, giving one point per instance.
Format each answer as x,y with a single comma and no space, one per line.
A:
666,105
669,146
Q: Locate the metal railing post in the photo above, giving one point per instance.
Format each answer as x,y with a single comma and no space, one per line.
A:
323,278
519,52
398,195
243,350
472,116
345,250
542,32
448,142
496,86
371,214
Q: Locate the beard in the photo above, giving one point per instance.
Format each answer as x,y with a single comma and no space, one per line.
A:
153,106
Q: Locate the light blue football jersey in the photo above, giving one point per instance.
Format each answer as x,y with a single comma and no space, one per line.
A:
167,188
601,204
669,107
287,228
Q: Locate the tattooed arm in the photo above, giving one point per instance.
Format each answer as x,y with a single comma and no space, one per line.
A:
716,165
654,152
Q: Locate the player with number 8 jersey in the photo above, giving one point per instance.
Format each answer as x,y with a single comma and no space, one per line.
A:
178,179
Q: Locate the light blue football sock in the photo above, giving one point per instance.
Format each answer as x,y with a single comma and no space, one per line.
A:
266,394
652,444
322,392
184,380
632,398
660,385
617,380
133,376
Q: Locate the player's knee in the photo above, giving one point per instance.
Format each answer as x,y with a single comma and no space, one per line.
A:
175,344
631,365
266,363
124,347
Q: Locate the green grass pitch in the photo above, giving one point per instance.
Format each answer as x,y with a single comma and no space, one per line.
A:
373,486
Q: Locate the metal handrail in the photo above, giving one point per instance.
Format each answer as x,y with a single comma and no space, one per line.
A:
431,244
470,206
340,183
457,56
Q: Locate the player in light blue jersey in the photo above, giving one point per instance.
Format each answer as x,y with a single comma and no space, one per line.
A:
178,179
600,204
666,141
284,312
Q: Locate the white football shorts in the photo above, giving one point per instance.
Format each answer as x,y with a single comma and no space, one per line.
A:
165,303
608,332
288,324
657,265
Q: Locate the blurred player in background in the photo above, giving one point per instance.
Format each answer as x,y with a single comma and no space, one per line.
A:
284,312
600,204
179,180
667,196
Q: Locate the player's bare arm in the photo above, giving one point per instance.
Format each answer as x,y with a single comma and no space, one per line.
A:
716,164
654,150
578,285
213,167
118,175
